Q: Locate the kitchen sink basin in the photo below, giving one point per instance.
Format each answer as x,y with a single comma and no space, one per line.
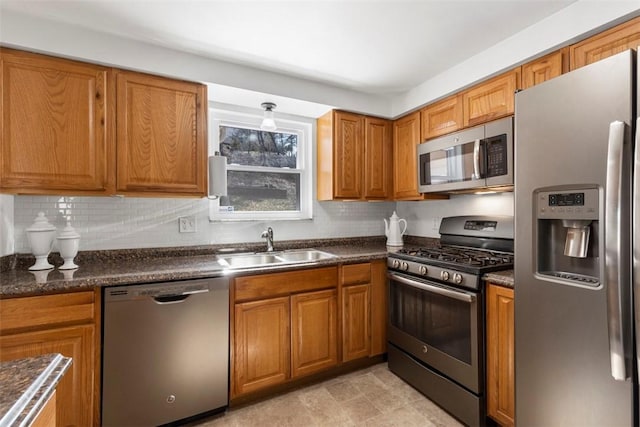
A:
276,258
250,260
305,255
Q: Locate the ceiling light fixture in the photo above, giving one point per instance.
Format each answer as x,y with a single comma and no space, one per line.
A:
268,122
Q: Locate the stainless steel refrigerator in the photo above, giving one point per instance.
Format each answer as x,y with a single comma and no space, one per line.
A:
574,237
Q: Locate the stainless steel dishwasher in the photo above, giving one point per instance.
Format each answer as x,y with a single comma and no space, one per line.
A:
165,351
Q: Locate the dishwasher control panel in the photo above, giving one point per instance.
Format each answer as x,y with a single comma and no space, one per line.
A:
153,290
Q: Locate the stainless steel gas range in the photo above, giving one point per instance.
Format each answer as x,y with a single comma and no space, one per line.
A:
436,311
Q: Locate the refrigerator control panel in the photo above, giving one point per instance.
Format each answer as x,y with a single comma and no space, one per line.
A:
567,204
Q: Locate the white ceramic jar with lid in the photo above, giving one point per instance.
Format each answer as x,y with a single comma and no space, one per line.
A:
40,235
68,243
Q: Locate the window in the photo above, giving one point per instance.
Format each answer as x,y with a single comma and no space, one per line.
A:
268,173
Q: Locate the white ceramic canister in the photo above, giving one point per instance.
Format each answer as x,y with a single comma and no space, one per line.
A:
68,244
40,235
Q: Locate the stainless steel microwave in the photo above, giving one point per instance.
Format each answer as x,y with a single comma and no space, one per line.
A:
474,159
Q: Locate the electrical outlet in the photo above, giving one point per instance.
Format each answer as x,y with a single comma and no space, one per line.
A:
436,224
187,224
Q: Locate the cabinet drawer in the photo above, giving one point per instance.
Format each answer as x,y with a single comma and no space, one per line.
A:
355,273
48,310
277,284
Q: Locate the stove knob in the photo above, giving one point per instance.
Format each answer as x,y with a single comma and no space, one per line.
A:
457,278
423,270
405,266
396,263
444,275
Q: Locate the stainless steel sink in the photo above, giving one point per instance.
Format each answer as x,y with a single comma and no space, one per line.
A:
276,258
250,260
305,255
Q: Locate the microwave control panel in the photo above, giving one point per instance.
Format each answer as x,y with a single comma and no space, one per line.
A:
567,204
497,156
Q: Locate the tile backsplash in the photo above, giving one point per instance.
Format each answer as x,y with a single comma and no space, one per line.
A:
122,222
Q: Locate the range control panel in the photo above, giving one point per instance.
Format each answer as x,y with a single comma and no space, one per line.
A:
567,204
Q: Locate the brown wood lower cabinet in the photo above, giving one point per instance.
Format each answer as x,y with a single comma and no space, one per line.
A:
314,326
285,327
261,344
356,321
500,355
290,325
34,326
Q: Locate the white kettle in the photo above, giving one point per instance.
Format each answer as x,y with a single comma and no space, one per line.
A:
392,230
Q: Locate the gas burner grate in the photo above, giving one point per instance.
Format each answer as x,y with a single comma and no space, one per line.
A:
461,256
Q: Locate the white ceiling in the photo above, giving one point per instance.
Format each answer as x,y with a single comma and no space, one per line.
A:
374,47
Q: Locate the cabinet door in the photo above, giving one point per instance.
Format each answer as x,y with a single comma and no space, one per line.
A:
161,140
605,44
261,344
356,320
442,117
57,126
500,355
377,158
545,68
490,100
406,137
314,331
347,155
74,400
379,310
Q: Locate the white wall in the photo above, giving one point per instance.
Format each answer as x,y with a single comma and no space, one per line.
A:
7,245
118,223
565,27
423,218
75,42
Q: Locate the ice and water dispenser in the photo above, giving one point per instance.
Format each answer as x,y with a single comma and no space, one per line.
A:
568,240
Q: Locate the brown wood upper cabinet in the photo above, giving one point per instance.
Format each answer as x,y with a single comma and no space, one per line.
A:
57,126
70,127
545,68
406,137
161,141
490,100
353,157
442,117
605,44
500,355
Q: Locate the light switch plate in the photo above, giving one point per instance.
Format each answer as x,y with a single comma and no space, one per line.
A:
187,224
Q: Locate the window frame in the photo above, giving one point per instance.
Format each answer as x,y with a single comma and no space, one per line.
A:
224,117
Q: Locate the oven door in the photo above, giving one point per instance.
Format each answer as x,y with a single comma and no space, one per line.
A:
440,326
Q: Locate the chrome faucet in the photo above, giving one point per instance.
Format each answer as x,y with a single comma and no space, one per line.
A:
268,234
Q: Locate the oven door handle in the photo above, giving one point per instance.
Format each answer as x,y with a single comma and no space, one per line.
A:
460,296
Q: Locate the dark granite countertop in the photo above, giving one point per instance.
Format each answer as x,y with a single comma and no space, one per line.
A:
27,385
502,278
119,267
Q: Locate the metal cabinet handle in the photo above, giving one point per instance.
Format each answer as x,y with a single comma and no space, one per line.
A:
613,246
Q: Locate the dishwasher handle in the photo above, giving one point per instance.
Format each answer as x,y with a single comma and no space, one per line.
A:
170,299
176,298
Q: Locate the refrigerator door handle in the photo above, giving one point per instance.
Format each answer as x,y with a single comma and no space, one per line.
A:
636,238
613,246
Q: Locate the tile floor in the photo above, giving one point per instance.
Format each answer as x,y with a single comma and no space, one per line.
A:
370,397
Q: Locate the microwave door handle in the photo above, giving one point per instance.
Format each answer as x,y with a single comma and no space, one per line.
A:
476,159
613,246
